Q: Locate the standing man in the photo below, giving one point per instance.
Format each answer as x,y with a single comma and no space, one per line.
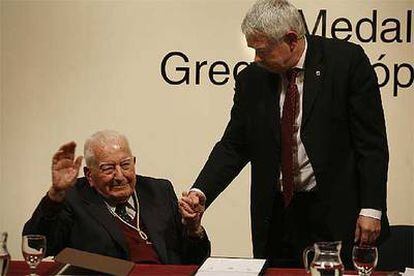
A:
112,211
308,117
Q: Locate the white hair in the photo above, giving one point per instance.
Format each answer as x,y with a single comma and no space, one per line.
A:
272,18
101,138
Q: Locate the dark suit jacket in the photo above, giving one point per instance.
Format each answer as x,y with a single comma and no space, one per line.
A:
343,131
84,222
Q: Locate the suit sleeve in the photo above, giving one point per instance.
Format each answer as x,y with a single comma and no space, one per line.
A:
229,155
192,250
52,220
368,132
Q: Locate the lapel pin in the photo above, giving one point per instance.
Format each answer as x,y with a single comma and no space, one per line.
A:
318,73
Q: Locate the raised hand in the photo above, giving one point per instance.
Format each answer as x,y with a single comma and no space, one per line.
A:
191,207
65,170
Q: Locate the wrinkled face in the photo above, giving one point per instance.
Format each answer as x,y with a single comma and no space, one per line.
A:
113,172
274,56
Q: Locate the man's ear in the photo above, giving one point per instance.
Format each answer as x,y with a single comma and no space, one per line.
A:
87,173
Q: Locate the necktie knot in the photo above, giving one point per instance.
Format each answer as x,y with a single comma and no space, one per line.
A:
121,211
291,75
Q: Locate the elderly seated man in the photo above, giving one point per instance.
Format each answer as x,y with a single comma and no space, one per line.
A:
112,211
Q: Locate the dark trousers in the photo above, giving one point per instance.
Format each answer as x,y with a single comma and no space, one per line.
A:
296,227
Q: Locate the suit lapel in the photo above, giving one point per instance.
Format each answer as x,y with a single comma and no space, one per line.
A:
274,107
95,205
314,72
148,215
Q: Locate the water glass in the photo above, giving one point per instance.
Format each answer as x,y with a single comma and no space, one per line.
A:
365,259
33,249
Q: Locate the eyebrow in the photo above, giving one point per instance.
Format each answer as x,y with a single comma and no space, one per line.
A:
111,163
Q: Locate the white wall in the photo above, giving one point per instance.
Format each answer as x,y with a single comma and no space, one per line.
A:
69,68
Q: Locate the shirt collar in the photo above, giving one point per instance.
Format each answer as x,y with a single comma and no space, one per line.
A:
301,62
129,204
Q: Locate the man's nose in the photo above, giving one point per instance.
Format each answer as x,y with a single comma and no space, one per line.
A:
119,174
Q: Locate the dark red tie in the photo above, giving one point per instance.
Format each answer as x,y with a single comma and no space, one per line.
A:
290,111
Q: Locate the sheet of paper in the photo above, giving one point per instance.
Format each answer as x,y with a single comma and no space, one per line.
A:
409,272
230,266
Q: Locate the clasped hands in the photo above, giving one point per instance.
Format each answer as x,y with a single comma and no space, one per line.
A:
191,207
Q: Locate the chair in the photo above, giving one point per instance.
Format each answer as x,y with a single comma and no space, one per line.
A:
397,252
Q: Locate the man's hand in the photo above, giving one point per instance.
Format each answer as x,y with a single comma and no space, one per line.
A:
65,170
191,207
367,230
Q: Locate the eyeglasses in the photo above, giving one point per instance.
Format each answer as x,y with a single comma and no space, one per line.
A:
110,168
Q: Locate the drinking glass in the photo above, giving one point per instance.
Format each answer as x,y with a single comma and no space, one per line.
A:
33,249
365,259
4,254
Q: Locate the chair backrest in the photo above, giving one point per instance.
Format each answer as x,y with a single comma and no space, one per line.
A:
397,252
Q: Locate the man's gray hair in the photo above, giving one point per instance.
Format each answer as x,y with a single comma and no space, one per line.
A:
100,139
273,18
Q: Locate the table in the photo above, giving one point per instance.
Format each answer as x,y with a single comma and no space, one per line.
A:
49,268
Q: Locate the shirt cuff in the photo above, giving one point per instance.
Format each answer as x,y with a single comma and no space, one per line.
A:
197,235
372,213
197,190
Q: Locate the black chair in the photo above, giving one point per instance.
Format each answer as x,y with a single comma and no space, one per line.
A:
397,252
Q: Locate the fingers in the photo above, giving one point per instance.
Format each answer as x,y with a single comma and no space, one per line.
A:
187,201
191,220
191,207
193,201
197,200
187,206
357,233
197,197
367,230
185,209
364,237
65,168
78,163
65,156
66,151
